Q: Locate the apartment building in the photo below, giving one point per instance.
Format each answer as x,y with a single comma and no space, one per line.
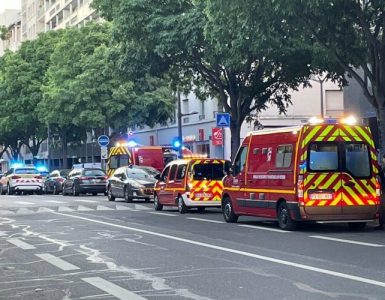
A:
32,18
63,13
10,18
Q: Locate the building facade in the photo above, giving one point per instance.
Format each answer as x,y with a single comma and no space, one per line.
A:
10,18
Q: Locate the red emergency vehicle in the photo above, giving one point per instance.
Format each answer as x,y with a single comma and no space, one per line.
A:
152,156
322,171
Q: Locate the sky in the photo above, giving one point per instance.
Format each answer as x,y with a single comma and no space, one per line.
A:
9,4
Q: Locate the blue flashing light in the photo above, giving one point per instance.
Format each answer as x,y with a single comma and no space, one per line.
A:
17,165
331,121
132,144
176,143
41,169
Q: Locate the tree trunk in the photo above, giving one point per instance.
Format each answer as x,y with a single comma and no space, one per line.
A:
381,128
235,129
65,148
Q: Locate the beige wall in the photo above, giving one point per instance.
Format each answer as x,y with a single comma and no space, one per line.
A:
8,18
32,18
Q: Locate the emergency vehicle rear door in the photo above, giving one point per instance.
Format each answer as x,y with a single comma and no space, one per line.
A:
358,178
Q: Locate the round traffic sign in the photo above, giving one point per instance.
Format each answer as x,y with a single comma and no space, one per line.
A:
103,140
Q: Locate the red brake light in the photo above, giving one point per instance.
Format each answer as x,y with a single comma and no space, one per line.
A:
84,178
39,177
61,179
300,187
378,189
15,177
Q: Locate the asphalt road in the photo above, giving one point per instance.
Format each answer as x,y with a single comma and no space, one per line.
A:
55,247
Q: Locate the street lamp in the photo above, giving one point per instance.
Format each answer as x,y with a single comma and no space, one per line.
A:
180,116
321,81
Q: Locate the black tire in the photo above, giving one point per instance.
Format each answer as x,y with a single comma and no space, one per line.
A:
105,193
127,196
285,221
182,208
110,195
157,205
147,200
9,190
201,209
64,192
55,191
2,191
94,194
357,225
75,192
228,211
39,192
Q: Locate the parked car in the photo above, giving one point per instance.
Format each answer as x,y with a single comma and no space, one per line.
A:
21,179
191,183
130,183
85,180
149,170
54,181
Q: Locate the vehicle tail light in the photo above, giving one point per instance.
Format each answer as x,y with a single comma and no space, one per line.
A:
15,177
378,190
60,179
105,177
300,186
84,178
38,177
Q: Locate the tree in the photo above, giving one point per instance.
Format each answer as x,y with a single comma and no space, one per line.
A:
352,34
223,48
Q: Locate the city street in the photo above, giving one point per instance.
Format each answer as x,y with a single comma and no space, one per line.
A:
55,247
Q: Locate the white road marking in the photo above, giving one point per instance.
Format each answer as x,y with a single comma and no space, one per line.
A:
238,252
112,289
64,208
88,201
44,209
21,244
24,211
161,213
121,207
345,241
24,202
57,262
206,220
84,208
263,228
142,207
102,207
56,201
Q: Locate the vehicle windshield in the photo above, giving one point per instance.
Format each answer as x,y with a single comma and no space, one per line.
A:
328,156
208,172
94,173
26,171
137,173
149,170
64,173
117,161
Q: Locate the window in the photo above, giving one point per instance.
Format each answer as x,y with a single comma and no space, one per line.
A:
323,156
208,172
94,173
114,162
137,173
172,172
26,171
240,160
284,155
165,174
181,172
357,159
124,160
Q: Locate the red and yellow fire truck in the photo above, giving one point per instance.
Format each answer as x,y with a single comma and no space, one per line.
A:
322,171
124,154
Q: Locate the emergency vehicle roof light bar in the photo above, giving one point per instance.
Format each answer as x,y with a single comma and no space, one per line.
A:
316,120
351,120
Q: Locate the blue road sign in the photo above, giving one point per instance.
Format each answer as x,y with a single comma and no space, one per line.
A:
103,140
223,120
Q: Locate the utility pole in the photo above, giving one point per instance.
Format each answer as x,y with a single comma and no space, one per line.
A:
49,147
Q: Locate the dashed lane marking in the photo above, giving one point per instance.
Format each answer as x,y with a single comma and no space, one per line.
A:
162,214
88,201
56,201
65,209
206,220
112,289
21,244
263,228
57,262
102,207
345,241
142,207
269,259
24,202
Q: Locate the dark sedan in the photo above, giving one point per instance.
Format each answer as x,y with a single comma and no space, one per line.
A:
85,180
130,183
54,181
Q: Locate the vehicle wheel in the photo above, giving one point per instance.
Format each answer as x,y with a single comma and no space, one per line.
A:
157,204
127,196
9,190
105,193
55,191
228,211
2,191
182,208
39,192
201,209
357,225
147,200
110,196
74,191
284,219
64,192
94,194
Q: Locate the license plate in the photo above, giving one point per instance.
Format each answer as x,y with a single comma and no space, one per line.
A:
321,196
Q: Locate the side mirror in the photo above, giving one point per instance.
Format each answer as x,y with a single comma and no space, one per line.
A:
230,171
157,176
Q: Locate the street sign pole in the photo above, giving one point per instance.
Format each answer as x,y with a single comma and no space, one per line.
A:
223,121
223,142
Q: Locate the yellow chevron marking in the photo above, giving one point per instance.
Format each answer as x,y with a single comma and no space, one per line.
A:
346,200
327,130
347,139
318,180
364,135
354,195
330,181
310,203
336,200
360,190
311,134
322,203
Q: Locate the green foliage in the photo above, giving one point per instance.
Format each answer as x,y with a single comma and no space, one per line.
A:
4,33
229,49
